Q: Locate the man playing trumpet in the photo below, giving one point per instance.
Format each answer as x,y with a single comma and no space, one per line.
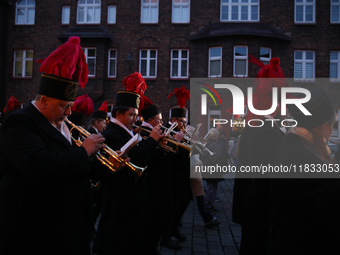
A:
120,218
45,184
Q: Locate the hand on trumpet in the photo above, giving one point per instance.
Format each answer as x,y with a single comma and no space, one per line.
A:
156,133
116,163
179,136
93,143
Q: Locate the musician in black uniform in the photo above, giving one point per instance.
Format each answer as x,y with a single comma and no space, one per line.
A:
180,180
44,192
119,226
98,120
157,200
98,125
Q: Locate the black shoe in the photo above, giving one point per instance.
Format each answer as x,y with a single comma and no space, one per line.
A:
171,244
212,224
179,236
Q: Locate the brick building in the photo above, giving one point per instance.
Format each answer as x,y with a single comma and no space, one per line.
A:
169,42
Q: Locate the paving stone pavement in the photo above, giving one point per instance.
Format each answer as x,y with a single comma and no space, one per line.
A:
222,240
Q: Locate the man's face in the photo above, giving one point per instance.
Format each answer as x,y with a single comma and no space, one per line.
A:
128,118
156,120
181,122
56,110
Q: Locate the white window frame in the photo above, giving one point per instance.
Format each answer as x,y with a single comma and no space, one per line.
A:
304,5
25,8
245,58
65,17
23,60
87,6
337,62
304,61
214,59
114,9
181,6
336,132
109,63
240,5
335,4
264,59
179,67
91,57
148,59
146,4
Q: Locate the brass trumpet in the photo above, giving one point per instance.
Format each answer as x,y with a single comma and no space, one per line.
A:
117,161
189,137
169,139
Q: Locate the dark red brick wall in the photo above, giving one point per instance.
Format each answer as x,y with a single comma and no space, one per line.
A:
130,35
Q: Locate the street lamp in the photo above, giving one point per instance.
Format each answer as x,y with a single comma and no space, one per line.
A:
129,59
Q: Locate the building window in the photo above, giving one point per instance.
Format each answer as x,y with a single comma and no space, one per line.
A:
25,12
240,61
180,11
214,112
112,65
23,63
265,55
215,62
304,65
179,64
149,11
335,11
90,55
111,14
304,11
239,10
88,12
334,68
148,63
65,15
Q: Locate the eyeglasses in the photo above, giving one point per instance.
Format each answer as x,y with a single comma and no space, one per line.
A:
183,122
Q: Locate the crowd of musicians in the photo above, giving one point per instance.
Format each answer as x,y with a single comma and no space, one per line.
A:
64,166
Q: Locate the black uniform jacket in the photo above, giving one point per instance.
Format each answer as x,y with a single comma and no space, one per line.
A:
305,212
44,189
91,130
258,145
120,219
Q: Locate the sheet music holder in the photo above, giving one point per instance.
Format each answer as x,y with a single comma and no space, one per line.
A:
132,142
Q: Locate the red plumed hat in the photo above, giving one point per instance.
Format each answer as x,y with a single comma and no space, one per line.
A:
268,77
182,96
83,104
63,70
12,104
101,113
136,83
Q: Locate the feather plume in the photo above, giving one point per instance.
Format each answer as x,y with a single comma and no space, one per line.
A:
182,96
67,61
103,107
135,82
12,104
83,104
